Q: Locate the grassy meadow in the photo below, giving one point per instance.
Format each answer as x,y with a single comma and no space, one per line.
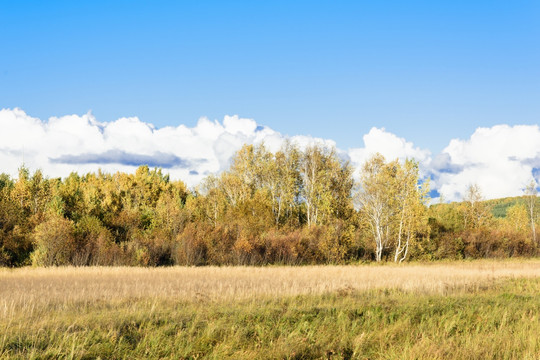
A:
463,310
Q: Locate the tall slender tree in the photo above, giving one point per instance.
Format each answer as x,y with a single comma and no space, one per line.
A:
530,196
392,204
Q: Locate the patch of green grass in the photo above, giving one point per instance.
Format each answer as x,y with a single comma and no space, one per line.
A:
498,322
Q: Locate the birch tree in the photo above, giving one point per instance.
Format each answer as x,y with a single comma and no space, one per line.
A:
530,197
375,198
326,183
282,179
410,200
392,203
476,213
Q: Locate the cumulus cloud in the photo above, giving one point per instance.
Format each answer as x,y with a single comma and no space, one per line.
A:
390,146
501,159
64,144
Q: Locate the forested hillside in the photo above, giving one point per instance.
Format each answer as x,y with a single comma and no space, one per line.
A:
288,207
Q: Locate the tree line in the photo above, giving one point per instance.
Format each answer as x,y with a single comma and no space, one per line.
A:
289,207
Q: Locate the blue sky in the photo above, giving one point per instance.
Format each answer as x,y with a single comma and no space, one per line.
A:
428,71
402,78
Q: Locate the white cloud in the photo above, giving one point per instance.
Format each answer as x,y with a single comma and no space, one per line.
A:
390,146
501,159
81,143
64,144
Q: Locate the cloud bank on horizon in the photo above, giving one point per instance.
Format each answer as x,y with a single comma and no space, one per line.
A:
502,159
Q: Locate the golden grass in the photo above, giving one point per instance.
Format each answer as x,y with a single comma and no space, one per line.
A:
433,311
36,287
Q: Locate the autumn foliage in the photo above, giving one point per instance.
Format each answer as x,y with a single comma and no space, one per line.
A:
288,207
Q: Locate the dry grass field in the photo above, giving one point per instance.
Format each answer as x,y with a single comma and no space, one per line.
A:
437,310
37,286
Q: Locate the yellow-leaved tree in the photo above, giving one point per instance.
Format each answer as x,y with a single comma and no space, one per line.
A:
391,202
530,197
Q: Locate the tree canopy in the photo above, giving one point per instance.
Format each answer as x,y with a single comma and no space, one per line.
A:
292,206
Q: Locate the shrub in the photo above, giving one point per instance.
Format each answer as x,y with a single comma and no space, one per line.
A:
93,243
54,241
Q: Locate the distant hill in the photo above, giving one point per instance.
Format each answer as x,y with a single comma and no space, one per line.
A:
499,207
